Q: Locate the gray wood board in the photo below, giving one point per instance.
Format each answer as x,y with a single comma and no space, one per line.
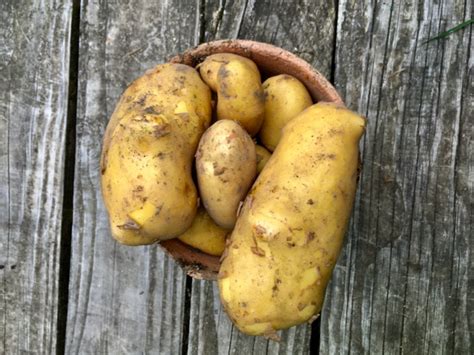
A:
34,61
121,299
404,281
297,27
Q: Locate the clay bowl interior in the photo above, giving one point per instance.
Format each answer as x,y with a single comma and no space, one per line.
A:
271,61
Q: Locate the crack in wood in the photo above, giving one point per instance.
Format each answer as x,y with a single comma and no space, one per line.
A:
68,183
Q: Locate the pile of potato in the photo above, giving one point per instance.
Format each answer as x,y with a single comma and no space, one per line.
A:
280,233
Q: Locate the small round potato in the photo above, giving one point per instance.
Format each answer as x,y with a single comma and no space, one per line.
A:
205,235
239,89
226,165
285,97
262,157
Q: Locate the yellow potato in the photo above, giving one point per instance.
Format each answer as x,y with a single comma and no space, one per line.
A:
226,166
205,235
148,152
290,231
239,90
262,157
285,97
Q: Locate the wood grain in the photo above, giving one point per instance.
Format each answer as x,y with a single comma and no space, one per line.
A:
121,299
34,57
403,284
404,281
298,28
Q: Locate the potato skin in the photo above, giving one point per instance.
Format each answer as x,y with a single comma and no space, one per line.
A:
285,97
239,89
147,154
288,236
226,166
262,157
205,235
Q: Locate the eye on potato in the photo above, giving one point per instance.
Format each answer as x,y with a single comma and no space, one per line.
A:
205,235
262,157
285,97
290,230
226,166
148,151
239,90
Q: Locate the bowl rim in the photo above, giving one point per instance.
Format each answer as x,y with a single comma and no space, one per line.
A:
320,89
274,60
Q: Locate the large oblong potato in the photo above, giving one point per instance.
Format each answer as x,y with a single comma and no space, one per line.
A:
285,97
239,89
148,151
289,234
226,166
205,235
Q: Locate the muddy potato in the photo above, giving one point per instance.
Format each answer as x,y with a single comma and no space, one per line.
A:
262,157
239,90
289,234
285,97
148,151
205,235
210,67
226,166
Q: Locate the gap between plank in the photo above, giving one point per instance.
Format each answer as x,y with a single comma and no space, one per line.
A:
315,340
187,313
202,20
332,76
68,182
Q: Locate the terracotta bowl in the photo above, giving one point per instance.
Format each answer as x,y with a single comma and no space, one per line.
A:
271,61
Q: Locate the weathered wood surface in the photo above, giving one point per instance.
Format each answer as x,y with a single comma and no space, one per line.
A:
34,59
297,27
121,299
404,281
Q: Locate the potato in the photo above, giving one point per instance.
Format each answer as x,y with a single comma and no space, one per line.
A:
148,152
262,157
226,166
239,90
205,235
289,234
285,97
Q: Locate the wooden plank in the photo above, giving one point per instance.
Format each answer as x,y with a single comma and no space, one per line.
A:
121,299
34,64
297,27
402,284
211,331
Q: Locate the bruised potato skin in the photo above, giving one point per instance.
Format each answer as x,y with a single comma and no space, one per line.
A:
262,157
147,154
226,166
285,97
239,90
205,235
289,234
